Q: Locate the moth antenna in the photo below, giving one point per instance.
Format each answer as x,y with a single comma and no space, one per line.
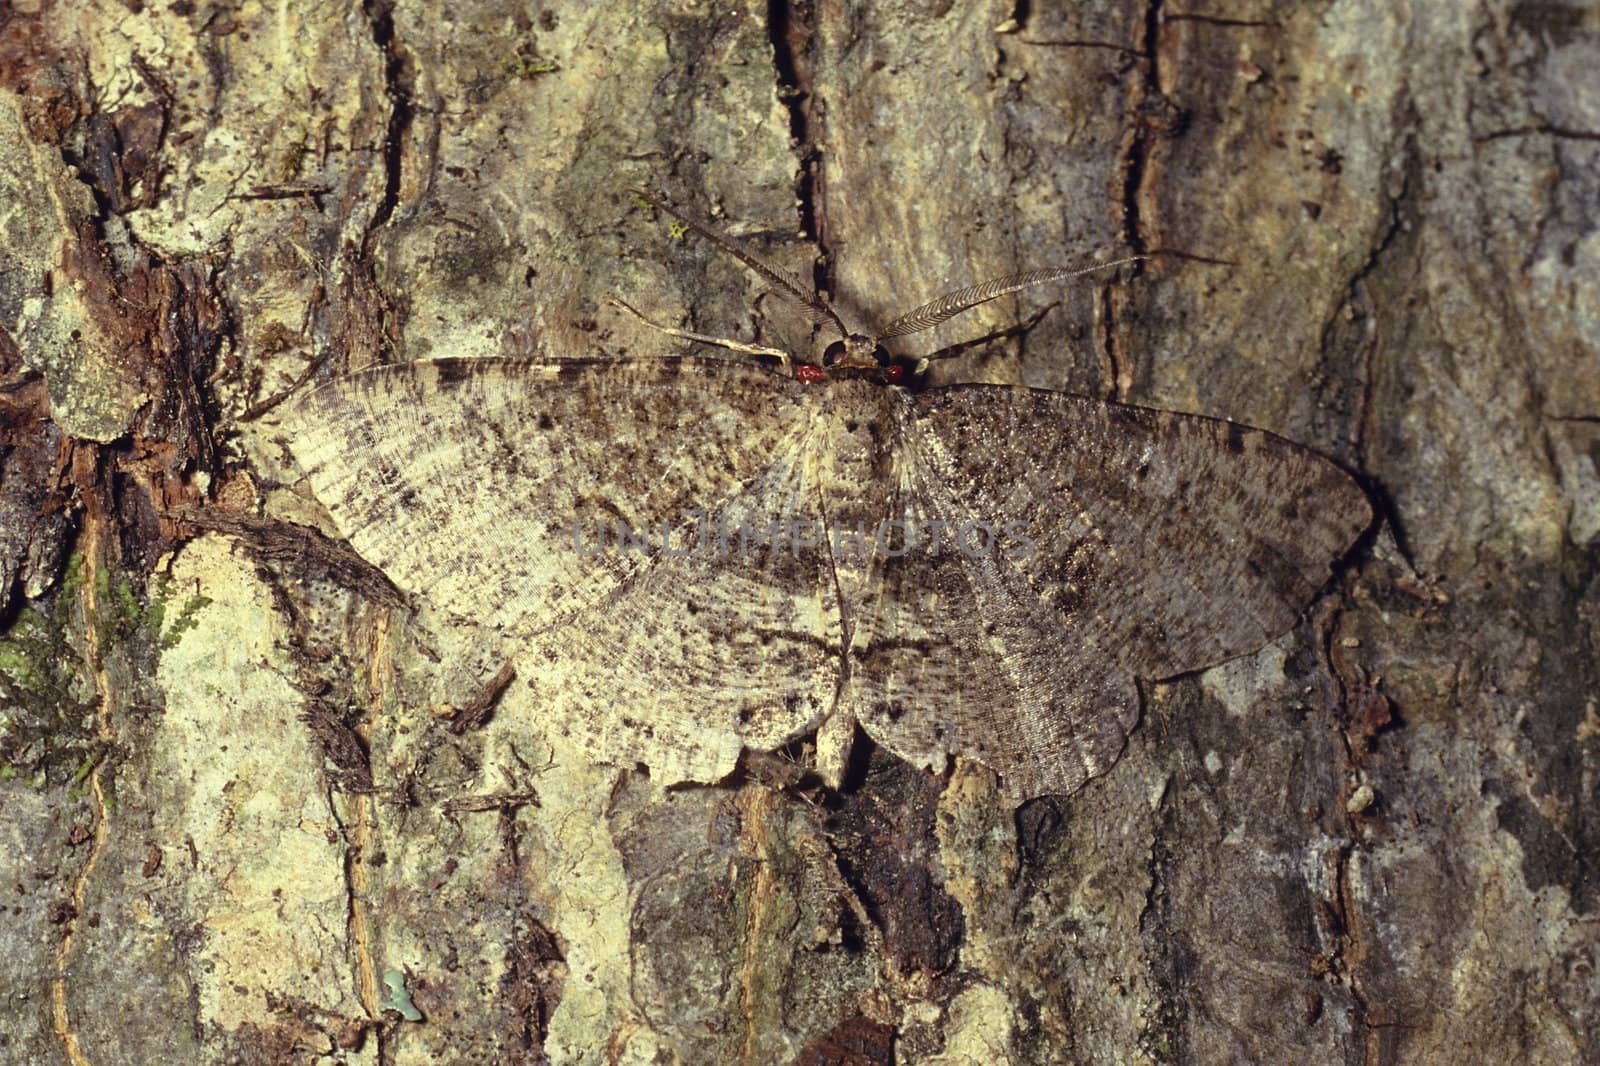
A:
815,307
720,342
950,304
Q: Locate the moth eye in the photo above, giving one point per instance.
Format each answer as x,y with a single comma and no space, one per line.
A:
833,353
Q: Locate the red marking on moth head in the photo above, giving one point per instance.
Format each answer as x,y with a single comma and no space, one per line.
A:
809,374
896,373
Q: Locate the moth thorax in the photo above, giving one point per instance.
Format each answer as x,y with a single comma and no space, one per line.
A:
856,350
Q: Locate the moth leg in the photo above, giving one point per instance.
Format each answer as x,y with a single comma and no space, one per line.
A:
748,349
835,738
1015,330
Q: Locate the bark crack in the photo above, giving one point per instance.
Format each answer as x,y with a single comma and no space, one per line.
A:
397,80
1213,20
790,31
1369,265
357,832
1111,360
1136,157
1347,949
106,691
761,897
1537,129
1362,424
1137,148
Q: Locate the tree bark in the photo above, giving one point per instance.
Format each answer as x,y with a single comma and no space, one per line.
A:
239,828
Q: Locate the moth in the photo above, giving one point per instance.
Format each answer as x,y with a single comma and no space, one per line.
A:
972,570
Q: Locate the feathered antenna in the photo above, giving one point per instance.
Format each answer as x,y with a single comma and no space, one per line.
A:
816,307
951,304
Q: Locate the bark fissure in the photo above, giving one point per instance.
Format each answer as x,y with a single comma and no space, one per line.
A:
99,535
1213,20
790,31
1136,157
397,80
1135,160
1347,947
1539,129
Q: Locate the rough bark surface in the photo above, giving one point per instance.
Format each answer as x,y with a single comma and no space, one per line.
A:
256,808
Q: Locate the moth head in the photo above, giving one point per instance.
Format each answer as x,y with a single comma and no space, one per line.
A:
857,350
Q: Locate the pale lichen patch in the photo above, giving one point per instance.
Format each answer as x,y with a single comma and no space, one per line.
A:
1238,685
244,801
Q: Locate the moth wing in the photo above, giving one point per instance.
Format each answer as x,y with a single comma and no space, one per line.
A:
484,486
1127,543
1174,541
727,643
475,482
958,656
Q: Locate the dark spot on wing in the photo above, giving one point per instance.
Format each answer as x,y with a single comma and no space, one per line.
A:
1277,572
454,371
891,709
